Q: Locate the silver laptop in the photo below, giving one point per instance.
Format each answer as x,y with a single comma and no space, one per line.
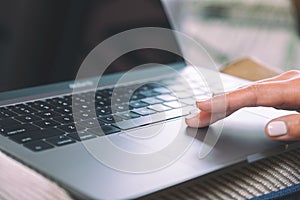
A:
119,135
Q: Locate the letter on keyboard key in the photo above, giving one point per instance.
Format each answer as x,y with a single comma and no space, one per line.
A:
28,118
48,114
70,128
47,123
19,129
82,135
36,135
60,140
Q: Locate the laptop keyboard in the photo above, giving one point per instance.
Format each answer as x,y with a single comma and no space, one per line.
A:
45,124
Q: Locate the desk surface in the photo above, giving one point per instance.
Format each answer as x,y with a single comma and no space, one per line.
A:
20,182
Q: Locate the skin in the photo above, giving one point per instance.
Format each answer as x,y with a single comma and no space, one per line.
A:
282,92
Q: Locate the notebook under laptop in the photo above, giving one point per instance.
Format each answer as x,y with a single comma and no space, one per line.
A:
135,141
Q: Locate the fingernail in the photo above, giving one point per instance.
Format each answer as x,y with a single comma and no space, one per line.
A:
201,99
277,128
193,113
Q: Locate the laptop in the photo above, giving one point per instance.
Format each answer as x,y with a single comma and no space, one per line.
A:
134,140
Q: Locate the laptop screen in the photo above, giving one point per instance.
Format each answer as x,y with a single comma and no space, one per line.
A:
44,42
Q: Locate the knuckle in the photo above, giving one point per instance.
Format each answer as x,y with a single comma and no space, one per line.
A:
294,126
254,89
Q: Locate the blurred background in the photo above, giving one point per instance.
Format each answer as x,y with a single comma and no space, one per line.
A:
231,29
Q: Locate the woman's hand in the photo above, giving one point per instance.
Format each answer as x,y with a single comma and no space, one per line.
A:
281,92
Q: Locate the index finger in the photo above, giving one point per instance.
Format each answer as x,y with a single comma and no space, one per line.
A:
257,94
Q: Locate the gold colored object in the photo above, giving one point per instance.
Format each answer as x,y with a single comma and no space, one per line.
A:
249,69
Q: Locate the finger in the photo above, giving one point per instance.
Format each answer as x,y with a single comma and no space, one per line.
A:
202,119
284,128
283,76
258,94
268,92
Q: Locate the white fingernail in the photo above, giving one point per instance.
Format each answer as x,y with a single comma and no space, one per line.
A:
277,128
199,99
193,113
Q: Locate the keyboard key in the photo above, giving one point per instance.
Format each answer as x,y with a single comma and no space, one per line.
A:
70,128
47,123
42,106
23,110
28,118
8,122
60,140
174,104
162,90
82,106
2,116
107,129
36,135
104,111
159,107
91,123
135,97
64,119
148,93
60,102
7,113
143,111
137,104
145,87
157,117
128,115
48,114
189,101
199,92
80,99
18,129
151,101
82,135
120,108
177,88
110,119
102,102
38,145
183,95
84,115
64,111
166,97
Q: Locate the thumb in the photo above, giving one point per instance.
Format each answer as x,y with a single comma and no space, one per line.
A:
284,128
